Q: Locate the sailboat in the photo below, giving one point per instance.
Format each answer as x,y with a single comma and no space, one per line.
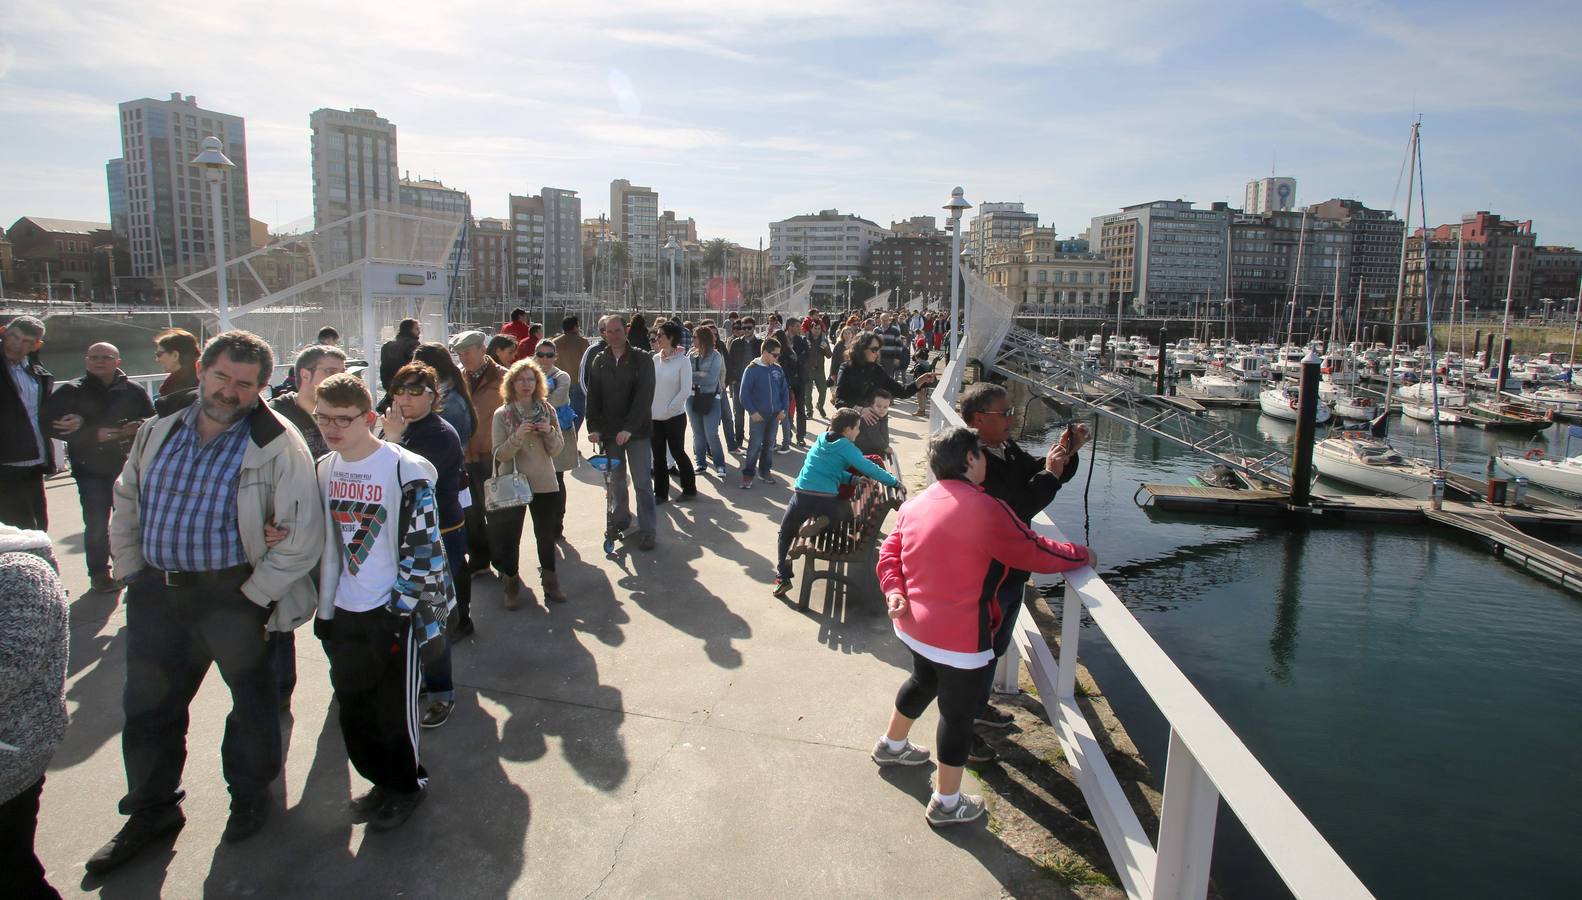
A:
1348,400
1366,459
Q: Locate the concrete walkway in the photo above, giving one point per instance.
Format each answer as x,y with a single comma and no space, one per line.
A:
673,731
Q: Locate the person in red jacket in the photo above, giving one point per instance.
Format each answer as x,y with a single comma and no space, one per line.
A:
940,570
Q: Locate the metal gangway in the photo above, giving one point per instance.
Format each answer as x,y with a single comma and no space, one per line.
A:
1052,369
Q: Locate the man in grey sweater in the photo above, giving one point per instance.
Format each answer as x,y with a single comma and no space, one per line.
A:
33,695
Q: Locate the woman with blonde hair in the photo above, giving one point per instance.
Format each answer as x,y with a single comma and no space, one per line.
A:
527,439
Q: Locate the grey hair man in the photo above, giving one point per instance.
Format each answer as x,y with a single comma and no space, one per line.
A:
26,455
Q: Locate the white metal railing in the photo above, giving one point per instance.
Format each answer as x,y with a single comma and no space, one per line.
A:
1206,760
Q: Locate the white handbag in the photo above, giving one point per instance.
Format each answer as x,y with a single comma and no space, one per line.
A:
506,491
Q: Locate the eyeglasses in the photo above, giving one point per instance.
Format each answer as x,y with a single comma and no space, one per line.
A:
1008,413
340,422
410,390
544,355
872,348
102,357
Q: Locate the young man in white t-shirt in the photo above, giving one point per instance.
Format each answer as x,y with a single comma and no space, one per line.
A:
384,591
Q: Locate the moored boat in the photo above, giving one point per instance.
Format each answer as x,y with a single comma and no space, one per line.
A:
1280,402
1561,475
1374,465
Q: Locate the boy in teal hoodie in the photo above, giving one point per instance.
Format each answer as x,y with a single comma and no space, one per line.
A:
828,465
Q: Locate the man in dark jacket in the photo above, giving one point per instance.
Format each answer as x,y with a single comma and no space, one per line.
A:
26,454
397,353
894,356
1027,484
97,416
313,365
620,384
740,351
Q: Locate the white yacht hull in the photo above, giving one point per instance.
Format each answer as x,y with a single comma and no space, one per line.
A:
1393,481
1553,475
1424,412
1276,406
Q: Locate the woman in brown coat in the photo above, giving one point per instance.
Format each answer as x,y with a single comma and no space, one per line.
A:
527,437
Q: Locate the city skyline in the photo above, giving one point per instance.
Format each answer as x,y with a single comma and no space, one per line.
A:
741,117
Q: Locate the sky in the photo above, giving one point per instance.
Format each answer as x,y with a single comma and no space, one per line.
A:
739,114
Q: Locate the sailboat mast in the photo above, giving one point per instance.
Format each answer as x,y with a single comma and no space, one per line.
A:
1510,290
1296,277
1400,277
1455,294
1334,316
1576,323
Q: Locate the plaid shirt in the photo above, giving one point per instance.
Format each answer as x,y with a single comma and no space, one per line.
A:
189,499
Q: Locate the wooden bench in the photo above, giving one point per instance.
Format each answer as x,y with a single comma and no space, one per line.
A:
851,543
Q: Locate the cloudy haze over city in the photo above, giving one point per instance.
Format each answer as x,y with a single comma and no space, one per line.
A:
740,114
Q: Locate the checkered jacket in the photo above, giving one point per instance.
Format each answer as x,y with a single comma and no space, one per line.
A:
424,588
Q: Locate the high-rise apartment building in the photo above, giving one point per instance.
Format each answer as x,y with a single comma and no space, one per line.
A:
433,199
547,243
1375,249
1267,195
1265,250
168,209
562,241
120,209
634,220
354,169
835,246
1164,256
996,224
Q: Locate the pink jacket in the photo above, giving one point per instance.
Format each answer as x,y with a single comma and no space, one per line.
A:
948,554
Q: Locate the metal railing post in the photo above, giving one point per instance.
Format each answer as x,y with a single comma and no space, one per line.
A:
1186,827
1070,627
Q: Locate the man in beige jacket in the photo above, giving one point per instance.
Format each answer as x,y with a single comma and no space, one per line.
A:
203,587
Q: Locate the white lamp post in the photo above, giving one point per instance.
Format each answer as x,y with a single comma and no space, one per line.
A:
216,166
958,203
672,246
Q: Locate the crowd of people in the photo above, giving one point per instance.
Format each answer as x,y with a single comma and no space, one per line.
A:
227,517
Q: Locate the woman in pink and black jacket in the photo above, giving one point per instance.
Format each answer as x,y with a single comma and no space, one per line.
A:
940,570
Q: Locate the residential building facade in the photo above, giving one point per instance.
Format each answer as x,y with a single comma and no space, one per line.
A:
562,241
916,267
917,226
1497,257
835,245
1045,279
1265,252
682,230
1164,256
57,258
168,209
1557,273
491,251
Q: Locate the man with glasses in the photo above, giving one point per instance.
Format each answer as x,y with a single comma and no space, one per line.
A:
97,416
766,395
206,586
313,365
740,350
26,455
620,385
1027,484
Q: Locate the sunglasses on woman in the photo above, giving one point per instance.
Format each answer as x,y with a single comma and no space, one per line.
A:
411,390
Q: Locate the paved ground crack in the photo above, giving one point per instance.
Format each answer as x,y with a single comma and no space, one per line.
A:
637,788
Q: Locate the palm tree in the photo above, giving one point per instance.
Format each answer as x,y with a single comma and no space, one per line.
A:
799,262
715,252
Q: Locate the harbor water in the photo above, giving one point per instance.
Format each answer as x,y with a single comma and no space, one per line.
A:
1416,697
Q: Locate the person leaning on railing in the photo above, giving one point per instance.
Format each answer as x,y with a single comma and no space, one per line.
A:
939,569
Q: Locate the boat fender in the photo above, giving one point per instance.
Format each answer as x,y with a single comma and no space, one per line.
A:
1534,453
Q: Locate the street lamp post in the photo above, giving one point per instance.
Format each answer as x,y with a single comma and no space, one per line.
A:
958,203
215,165
672,246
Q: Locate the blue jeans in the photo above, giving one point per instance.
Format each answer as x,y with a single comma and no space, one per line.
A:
437,682
733,432
760,447
706,434
786,425
95,492
636,468
579,405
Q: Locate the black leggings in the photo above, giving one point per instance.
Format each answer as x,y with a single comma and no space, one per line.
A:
671,433
548,513
960,693
805,506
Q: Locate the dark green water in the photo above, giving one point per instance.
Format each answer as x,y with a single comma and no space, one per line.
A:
1416,697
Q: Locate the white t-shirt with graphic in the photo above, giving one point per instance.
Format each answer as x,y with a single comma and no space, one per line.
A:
364,504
